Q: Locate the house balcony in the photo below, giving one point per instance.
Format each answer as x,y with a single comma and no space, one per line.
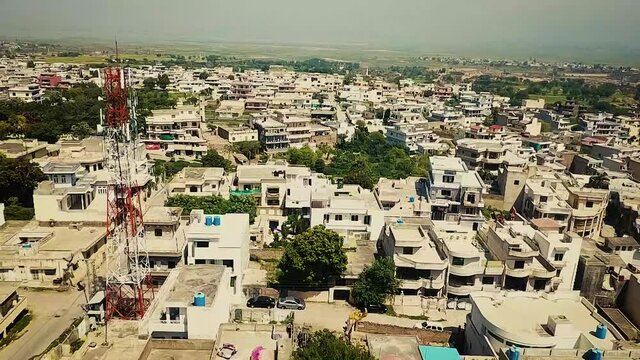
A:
543,273
494,267
466,270
462,289
178,325
519,273
437,283
558,264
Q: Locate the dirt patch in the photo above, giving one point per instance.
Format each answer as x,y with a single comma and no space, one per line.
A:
266,254
425,337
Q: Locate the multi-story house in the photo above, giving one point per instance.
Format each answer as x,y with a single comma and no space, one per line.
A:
273,134
486,154
27,93
540,200
199,182
222,240
601,124
420,266
525,268
177,132
165,241
347,209
411,135
455,192
588,208
469,268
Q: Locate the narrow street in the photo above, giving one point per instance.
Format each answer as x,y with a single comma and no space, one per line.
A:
53,312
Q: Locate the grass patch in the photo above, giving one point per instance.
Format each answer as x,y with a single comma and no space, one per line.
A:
16,329
549,99
82,59
392,312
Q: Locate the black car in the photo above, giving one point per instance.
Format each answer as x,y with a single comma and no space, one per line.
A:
375,308
261,302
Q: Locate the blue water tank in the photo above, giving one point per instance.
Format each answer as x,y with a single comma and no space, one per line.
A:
216,220
208,220
594,354
399,221
601,331
411,199
199,299
513,353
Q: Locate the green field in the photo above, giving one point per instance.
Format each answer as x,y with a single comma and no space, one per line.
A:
100,59
549,99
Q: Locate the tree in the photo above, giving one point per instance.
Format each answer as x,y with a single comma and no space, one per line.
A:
243,204
326,345
303,156
163,81
376,282
203,75
313,258
213,159
18,178
191,100
149,83
598,181
545,127
250,149
30,64
81,130
360,173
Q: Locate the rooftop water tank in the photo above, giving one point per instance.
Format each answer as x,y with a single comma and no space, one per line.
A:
399,221
594,354
216,220
208,220
411,199
513,353
199,299
601,331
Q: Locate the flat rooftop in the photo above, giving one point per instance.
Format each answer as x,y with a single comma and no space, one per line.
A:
162,215
402,347
447,163
196,278
526,315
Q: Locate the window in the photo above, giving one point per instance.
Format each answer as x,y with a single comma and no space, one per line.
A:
354,217
35,274
228,263
367,219
475,226
50,272
471,198
338,217
447,178
193,189
518,264
200,262
589,204
326,217
487,280
172,264
516,182
543,199
458,261
558,256
232,282
407,250
558,271
470,211
445,192
539,284
157,232
202,244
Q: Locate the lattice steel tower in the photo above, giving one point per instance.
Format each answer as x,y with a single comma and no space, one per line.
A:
129,288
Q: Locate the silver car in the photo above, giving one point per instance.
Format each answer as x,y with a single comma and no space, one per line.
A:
290,302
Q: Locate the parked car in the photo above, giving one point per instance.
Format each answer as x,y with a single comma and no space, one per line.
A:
430,325
375,308
261,302
290,302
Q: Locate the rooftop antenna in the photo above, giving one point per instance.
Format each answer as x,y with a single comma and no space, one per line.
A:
117,59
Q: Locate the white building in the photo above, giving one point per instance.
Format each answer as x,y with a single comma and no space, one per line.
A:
455,192
177,132
199,182
420,266
191,304
533,321
222,240
410,135
27,93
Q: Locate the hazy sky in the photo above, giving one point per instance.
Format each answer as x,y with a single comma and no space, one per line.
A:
437,24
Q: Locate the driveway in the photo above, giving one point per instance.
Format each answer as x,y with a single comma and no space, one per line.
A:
53,312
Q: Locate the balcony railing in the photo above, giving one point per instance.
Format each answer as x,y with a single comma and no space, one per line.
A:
245,192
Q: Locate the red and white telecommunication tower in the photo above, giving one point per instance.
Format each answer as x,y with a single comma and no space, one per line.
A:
128,285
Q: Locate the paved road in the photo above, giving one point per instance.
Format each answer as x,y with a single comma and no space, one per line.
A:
53,312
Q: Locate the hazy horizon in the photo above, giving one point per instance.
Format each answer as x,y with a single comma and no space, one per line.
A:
456,26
